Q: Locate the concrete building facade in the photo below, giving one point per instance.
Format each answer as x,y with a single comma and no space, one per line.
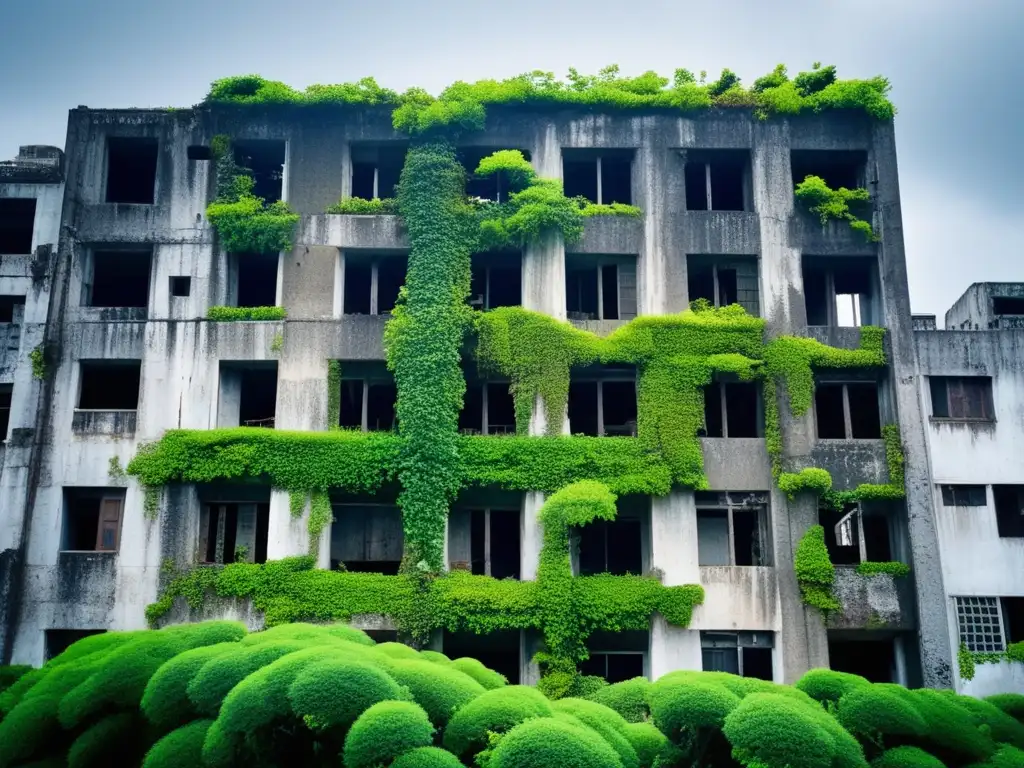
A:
117,306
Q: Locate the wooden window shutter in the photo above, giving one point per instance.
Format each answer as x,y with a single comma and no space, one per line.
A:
109,528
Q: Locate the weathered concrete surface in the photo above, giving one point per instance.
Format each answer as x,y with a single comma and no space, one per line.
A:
873,602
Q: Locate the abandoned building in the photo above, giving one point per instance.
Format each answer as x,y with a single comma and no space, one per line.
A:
109,265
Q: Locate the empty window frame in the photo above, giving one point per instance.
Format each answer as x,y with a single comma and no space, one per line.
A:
494,542
131,170
367,538
376,169
199,152
604,408
257,279
119,279
616,656
962,397
12,309
839,168
1009,503
601,176
600,288
57,641
368,404
109,385
17,222
180,286
854,535
847,411
264,160
487,409
724,280
493,187
372,284
257,403
614,546
747,654
234,532
840,292
1001,305
718,180
92,519
732,409
733,529
964,496
496,280
6,392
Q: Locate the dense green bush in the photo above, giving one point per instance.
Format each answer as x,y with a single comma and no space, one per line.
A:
165,701
906,757
605,721
427,757
236,314
179,748
358,206
546,742
115,741
9,675
628,698
767,730
331,694
495,711
384,732
1011,703
488,678
439,690
873,714
648,742
828,686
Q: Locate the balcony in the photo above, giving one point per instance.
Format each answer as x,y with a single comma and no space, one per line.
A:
873,602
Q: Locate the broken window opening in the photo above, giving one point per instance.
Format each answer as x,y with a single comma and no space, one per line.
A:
603,408
17,223
109,385
612,546
351,412
59,640
368,404
471,417
853,536
180,286
494,542
501,410
376,169
1009,503
262,159
367,538
358,287
583,408
715,180
1013,618
733,529
724,280
1001,305
199,152
871,659
496,281
600,288
372,285
12,309
390,278
732,409
747,654
500,650
92,519
839,292
838,168
234,532
6,392
962,397
120,279
257,280
964,496
258,398
847,411
131,170
601,177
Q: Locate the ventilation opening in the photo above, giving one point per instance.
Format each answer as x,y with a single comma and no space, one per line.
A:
264,161
499,650
367,538
12,309
611,546
494,542
715,180
358,287
1001,305
494,187
722,281
92,519
234,532
6,392
376,169
120,279
131,170
109,386
390,279
501,410
871,659
1009,501
865,420
839,168
619,408
600,177
181,286
257,279
17,221
59,640
199,152
496,281
257,403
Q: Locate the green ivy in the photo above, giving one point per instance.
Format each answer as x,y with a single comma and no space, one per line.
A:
277,344
234,314
814,571
358,206
829,203
968,659
808,479
320,516
610,209
151,501
894,569
38,359
333,394
965,660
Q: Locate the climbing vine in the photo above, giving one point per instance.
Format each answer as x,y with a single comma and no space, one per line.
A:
234,314
814,571
829,203
333,394
358,206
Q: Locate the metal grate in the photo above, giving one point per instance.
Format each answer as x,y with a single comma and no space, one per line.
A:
980,624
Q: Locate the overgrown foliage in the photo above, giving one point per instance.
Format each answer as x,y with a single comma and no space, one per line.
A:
814,571
358,206
235,314
828,203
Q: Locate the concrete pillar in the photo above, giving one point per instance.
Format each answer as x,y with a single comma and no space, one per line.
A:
246,533
649,185
672,648
229,397
286,536
532,535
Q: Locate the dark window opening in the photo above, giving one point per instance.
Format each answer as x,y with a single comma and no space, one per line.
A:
967,397
581,293
351,404
17,222
390,278
232,530
368,405
131,170
92,519
471,417
714,180
748,654
258,401
839,168
382,635
380,407
964,496
877,544
616,186
181,286
385,567
501,410
741,409
109,386
6,391
199,152
1009,501
757,663
496,281
12,309
614,667
494,542
611,546
264,161
695,176
376,169
367,538
839,292
226,515
262,533
872,659
733,532
816,297
610,292
713,424
358,287
364,180
583,408
713,537
865,419
499,650
619,406
257,279
748,548
1001,305
120,279
843,544
600,178
722,281
1013,618
726,287
579,178
59,640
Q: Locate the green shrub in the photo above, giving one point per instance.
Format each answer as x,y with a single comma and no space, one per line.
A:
346,632
398,651
495,711
628,698
1007,757
358,206
427,757
165,701
768,730
608,723
386,731
647,741
545,743
1003,727
829,203
28,729
236,314
331,694
246,224
9,675
682,710
871,713
827,686
215,679
950,732
179,748
906,757
488,678
436,657
511,164
1011,703
117,740
439,690
894,569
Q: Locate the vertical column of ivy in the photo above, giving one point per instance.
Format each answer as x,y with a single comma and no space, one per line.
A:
423,341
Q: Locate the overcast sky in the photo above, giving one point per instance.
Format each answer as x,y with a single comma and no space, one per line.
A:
957,68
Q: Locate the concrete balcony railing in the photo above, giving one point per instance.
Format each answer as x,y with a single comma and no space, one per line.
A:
348,231
106,422
835,238
728,233
873,602
851,462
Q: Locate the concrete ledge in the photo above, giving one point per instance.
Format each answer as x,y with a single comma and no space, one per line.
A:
110,423
835,238
383,232
726,233
851,462
131,223
736,463
598,327
610,234
873,602
737,597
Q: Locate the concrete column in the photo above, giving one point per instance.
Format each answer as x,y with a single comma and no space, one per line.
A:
301,389
229,399
650,193
532,535
286,536
246,533
673,648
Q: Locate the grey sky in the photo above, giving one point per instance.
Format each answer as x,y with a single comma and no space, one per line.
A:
957,68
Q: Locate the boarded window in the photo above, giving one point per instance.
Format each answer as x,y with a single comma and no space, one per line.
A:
966,397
